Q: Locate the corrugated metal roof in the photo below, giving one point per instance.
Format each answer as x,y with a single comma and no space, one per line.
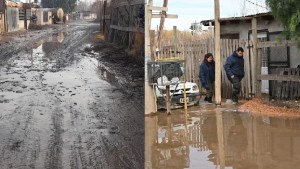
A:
241,18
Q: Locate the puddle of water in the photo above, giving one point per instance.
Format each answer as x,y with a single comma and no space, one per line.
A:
215,139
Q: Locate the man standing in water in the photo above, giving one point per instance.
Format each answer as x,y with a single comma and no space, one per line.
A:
234,68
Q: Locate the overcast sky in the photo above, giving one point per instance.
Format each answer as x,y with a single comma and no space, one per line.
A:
189,11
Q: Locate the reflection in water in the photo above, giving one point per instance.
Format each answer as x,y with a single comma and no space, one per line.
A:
106,74
248,142
60,37
44,53
172,147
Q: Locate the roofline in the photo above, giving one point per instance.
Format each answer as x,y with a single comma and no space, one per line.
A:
241,18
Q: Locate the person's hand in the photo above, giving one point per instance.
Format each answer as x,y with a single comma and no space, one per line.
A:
232,76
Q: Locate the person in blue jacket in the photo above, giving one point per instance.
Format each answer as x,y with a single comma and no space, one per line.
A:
234,68
207,76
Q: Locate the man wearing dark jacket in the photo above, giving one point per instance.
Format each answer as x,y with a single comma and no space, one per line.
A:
234,68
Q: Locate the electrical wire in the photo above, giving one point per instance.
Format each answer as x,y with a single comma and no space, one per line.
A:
256,4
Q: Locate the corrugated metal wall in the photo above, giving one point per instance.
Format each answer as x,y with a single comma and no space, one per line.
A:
12,19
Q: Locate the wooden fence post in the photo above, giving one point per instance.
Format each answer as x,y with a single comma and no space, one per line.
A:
258,71
254,57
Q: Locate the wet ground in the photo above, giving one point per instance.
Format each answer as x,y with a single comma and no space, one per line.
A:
65,105
208,137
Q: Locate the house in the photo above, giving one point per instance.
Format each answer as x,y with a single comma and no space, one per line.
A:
87,15
15,14
268,29
2,16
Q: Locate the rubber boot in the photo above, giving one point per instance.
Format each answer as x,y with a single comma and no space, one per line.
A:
209,100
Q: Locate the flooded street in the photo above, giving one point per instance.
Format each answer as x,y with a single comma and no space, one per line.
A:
216,138
63,106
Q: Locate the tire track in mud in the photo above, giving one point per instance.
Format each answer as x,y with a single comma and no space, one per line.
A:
53,156
92,124
21,148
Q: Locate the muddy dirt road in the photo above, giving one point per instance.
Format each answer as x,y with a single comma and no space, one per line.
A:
63,106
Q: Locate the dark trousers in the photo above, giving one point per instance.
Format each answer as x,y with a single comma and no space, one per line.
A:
236,88
211,90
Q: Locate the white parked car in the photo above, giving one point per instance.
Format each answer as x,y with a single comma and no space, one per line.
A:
177,94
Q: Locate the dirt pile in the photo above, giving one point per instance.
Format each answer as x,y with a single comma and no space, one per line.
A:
257,106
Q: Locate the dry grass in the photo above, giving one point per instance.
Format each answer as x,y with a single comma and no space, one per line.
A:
137,49
98,36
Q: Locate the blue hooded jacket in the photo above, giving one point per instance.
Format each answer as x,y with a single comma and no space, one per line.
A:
234,66
207,73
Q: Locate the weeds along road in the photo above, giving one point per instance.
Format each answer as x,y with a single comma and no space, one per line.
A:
63,104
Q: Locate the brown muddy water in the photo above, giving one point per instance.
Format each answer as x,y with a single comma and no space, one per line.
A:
221,138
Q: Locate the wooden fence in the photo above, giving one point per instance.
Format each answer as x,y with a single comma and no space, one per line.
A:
123,24
285,89
284,83
193,52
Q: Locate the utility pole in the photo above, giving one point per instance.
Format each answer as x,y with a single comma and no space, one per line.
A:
150,101
217,54
150,105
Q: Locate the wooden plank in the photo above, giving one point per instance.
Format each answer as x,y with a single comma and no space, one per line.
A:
287,84
291,86
127,29
279,77
158,8
247,72
297,85
170,16
228,52
259,65
298,88
276,43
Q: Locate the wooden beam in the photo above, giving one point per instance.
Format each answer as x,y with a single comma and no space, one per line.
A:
11,4
275,43
292,78
127,29
217,54
158,8
126,3
171,16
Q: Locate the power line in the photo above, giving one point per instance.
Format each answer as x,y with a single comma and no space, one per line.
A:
257,4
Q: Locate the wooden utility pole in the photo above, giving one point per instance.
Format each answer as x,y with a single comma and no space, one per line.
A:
150,105
104,17
217,54
254,57
150,101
